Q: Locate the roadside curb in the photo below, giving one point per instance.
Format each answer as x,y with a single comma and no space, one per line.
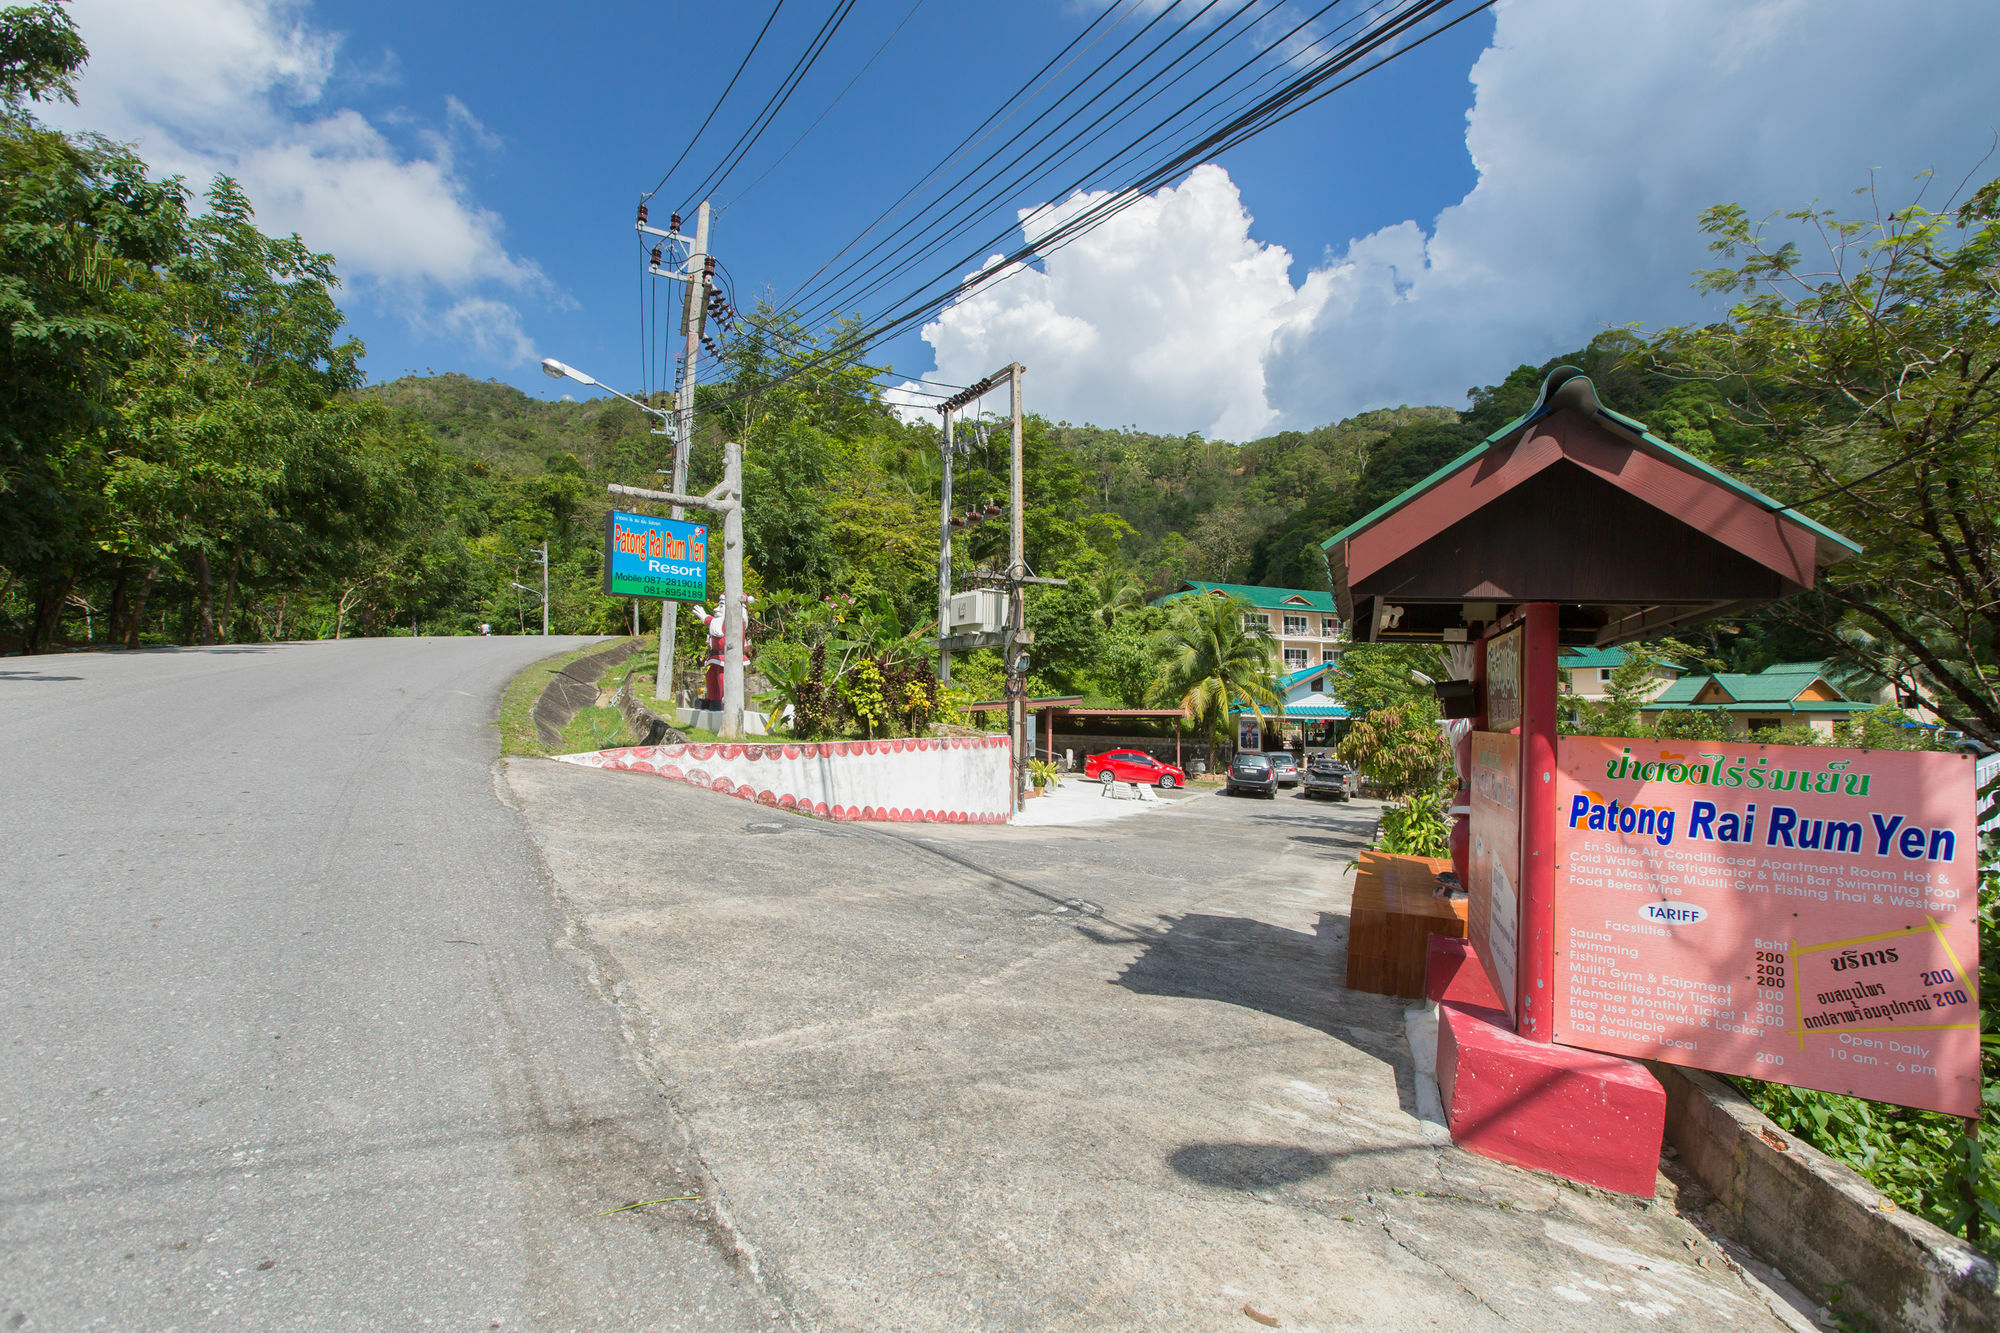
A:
1818,1222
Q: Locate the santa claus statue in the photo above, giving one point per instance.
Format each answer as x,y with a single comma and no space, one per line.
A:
712,683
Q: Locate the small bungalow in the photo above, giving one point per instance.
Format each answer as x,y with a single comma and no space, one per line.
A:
1312,715
1788,694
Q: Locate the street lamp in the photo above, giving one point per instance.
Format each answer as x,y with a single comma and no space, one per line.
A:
556,370
545,604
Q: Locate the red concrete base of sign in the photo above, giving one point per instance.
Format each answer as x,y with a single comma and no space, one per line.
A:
1595,1119
1453,975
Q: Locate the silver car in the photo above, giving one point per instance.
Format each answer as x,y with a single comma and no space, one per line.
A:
1285,769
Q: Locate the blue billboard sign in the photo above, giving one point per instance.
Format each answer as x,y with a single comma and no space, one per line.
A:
655,557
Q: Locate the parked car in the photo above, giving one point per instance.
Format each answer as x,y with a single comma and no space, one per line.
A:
1252,773
1132,766
1327,776
1285,769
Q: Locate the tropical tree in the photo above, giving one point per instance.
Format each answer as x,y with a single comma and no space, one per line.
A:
1371,677
1871,374
1209,659
80,226
1402,750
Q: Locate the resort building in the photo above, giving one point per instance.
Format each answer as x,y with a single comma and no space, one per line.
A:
1586,673
1305,624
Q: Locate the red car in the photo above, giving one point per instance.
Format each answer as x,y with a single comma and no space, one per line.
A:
1132,766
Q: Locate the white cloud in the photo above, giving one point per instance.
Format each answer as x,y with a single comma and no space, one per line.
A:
491,328
1600,132
1163,314
238,86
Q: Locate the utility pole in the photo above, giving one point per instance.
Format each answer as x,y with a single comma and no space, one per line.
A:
693,314
944,553
727,500
1017,570
545,590
1016,638
732,591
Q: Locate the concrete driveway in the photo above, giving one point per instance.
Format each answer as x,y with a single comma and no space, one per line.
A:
950,1078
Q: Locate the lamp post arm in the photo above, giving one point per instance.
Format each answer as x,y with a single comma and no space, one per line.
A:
666,417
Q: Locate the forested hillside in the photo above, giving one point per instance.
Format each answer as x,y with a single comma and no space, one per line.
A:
188,452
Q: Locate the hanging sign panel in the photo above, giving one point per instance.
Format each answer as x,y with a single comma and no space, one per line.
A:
655,557
1797,914
1492,909
1503,681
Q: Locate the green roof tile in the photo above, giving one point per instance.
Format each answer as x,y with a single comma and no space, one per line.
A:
1586,658
1264,599
1541,408
1773,687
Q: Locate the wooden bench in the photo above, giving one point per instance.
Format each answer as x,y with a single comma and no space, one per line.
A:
1394,914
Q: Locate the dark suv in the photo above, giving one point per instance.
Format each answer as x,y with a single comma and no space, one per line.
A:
1327,776
1251,773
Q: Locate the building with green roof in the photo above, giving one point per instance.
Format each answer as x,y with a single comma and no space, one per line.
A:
1586,673
1305,623
1783,695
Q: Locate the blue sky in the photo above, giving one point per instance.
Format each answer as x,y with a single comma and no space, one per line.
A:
476,168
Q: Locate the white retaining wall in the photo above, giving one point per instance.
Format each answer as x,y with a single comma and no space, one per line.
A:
926,779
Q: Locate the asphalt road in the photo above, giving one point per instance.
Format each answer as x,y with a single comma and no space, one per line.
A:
294,1035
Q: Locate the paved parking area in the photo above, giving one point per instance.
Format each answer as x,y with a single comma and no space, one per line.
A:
949,1078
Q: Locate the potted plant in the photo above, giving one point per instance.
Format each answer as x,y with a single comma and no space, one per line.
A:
1044,773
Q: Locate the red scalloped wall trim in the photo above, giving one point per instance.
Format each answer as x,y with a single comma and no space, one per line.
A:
656,759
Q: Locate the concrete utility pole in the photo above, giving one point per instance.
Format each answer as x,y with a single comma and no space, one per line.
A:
1017,570
944,553
1015,640
726,500
545,590
692,315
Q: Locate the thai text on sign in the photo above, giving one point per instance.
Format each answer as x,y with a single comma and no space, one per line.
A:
655,557
1503,681
1796,914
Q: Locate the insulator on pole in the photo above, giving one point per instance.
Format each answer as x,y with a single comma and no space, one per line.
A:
674,222
642,215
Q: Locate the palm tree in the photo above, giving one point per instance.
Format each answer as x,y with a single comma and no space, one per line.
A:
1210,660
1116,590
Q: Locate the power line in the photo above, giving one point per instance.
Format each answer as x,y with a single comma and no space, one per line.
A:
1234,131
718,101
866,66
967,180
976,137
776,103
1073,146
1297,94
1069,148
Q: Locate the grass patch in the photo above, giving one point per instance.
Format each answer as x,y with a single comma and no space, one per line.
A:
517,705
597,727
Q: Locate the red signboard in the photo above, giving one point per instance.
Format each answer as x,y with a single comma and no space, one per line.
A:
1493,861
1795,914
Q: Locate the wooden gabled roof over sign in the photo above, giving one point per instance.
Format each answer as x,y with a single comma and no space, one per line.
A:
1577,505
